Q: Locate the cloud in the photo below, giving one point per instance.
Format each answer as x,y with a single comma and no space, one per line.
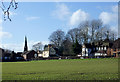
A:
115,8
13,46
19,47
109,17
106,17
45,42
5,35
114,29
32,18
61,12
2,33
78,16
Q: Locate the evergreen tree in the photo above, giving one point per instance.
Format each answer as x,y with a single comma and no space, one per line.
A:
77,48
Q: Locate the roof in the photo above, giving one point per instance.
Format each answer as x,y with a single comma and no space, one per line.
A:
105,42
101,51
88,45
40,52
27,52
46,49
116,44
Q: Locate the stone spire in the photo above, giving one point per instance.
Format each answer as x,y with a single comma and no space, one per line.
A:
25,47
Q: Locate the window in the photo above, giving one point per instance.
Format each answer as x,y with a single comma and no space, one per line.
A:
114,49
114,54
6,57
96,48
104,48
101,48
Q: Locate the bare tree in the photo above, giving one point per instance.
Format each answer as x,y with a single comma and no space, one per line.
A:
72,34
37,46
110,34
96,29
75,33
113,35
84,31
57,38
6,10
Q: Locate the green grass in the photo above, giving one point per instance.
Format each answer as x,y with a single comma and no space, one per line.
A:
73,69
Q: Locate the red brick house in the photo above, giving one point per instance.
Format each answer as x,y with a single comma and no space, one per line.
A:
115,50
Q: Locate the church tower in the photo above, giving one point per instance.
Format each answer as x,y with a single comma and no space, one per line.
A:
25,47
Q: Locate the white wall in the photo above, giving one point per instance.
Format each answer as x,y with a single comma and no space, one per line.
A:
45,54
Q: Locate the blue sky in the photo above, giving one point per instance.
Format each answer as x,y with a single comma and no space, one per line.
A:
37,20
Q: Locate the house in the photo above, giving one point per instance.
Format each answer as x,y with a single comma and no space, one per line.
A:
100,53
39,53
6,55
87,49
1,53
115,50
99,48
19,56
102,47
49,51
28,55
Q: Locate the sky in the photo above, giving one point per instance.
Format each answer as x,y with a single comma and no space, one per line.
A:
37,20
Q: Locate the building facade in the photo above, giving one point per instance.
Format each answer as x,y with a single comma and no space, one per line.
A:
115,50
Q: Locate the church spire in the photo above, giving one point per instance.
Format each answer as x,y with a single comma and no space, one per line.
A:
25,47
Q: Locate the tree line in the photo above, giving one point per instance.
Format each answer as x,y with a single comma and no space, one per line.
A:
86,32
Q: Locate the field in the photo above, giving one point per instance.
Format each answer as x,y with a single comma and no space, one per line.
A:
70,69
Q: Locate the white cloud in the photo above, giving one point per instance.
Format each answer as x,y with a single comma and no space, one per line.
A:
115,8
109,17
45,42
106,17
4,34
13,46
61,12
114,29
19,47
32,18
78,17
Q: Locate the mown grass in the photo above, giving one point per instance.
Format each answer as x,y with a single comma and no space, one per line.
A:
72,69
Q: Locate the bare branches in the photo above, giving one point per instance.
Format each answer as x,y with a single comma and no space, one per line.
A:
57,37
6,12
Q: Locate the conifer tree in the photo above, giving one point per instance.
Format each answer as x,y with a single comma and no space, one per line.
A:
77,47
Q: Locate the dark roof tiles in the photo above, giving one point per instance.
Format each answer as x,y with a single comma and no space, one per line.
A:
116,44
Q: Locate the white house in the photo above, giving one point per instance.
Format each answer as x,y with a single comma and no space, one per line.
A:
100,53
47,52
86,50
39,53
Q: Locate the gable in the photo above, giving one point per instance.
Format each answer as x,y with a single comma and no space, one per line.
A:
52,51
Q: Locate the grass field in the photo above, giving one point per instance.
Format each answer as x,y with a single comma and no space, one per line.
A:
72,69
